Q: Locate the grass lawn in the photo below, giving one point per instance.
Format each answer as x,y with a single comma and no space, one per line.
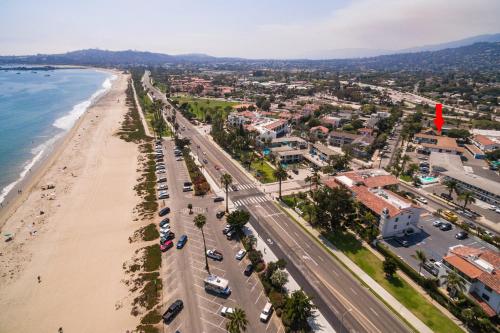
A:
266,171
401,290
406,178
199,106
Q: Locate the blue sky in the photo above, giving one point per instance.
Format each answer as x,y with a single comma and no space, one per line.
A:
253,29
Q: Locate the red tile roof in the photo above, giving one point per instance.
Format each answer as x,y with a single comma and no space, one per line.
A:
464,266
483,140
275,124
323,129
485,306
373,201
331,183
371,181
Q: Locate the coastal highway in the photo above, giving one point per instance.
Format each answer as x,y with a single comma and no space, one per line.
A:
345,303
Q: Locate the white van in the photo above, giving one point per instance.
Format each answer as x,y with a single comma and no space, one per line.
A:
266,312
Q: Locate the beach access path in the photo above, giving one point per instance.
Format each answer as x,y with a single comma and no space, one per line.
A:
74,237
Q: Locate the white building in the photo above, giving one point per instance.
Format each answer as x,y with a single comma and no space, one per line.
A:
271,129
478,269
397,215
484,189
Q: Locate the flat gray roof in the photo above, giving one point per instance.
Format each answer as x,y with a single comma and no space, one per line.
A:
446,161
324,149
293,152
288,139
476,181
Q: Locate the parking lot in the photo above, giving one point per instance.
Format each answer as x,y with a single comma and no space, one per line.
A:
432,241
183,270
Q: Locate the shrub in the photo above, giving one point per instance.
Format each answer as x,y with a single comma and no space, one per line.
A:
260,267
255,257
277,299
152,317
279,312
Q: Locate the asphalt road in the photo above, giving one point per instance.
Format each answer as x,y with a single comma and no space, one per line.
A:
338,295
183,271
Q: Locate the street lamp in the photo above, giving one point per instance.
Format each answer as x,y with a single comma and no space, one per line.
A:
346,312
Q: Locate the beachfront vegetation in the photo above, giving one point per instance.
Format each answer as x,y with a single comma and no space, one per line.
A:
200,183
202,109
144,273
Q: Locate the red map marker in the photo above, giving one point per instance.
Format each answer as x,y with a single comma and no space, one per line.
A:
439,121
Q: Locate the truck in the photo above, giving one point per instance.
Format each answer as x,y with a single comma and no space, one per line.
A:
217,285
172,311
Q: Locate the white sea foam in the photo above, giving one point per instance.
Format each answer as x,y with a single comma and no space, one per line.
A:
65,123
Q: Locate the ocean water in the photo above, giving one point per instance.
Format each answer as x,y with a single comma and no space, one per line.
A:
36,109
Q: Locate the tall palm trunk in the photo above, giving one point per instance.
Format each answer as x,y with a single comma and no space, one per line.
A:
227,204
279,184
205,246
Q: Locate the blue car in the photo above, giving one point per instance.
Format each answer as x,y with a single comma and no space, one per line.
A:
182,241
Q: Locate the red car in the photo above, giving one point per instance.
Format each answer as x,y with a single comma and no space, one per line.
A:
167,245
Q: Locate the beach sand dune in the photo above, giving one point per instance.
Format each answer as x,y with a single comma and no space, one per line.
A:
75,236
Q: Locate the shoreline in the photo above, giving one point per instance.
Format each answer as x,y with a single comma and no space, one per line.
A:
69,235
13,199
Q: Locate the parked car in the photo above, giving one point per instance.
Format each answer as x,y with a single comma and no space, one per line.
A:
422,200
230,234
164,211
160,171
164,222
403,242
162,187
227,229
172,311
167,245
186,188
205,161
163,196
226,311
218,199
234,187
220,214
446,196
187,184
437,223
266,312
241,253
165,238
215,255
449,215
461,235
182,241
445,226
248,270
178,158
162,180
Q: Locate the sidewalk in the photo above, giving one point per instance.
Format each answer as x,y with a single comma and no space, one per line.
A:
319,322
141,114
372,284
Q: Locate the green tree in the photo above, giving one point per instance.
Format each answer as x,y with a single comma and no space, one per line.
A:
298,309
333,207
452,186
390,267
238,219
279,278
190,207
281,175
226,180
467,316
199,221
237,321
467,197
455,283
421,258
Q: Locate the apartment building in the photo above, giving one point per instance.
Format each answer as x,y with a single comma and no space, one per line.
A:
482,188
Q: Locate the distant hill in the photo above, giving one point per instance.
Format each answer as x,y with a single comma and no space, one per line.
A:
475,57
96,57
491,38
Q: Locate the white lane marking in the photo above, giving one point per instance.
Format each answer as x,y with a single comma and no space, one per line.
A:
375,312
354,291
259,296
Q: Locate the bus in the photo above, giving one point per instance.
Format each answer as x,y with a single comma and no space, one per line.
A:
217,285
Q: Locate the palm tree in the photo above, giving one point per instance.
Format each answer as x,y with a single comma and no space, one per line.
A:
452,185
405,159
422,258
454,282
308,179
199,221
281,175
237,321
466,197
226,180
190,207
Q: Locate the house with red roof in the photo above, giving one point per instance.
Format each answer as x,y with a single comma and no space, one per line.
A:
397,215
479,271
484,143
318,132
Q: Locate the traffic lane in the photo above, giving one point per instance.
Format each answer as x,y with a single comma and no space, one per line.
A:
238,172
239,176
326,303
353,295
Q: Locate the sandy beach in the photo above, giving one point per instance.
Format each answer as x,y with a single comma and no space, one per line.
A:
75,236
